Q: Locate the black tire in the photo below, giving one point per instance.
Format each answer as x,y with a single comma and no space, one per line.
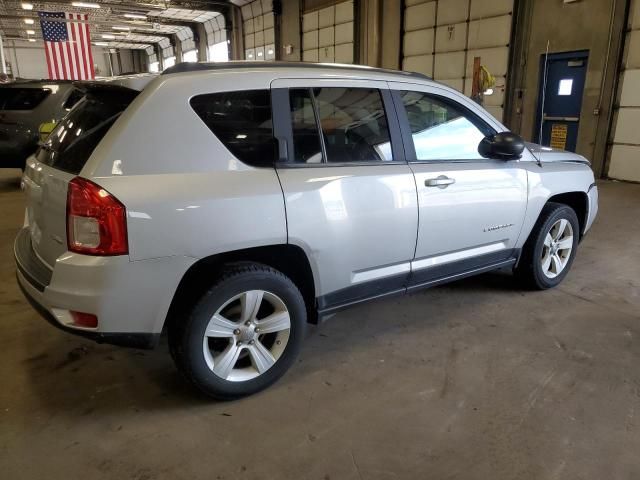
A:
529,270
186,334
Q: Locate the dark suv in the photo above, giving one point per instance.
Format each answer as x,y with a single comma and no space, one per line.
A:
24,106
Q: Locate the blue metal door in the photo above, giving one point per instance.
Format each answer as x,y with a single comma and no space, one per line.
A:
560,113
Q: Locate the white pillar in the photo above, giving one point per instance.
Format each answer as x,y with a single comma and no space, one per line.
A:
3,68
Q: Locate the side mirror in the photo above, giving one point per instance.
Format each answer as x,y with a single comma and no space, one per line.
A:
45,130
502,146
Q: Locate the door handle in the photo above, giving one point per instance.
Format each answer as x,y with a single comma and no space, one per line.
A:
440,182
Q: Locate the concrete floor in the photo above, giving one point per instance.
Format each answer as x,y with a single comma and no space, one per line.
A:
475,380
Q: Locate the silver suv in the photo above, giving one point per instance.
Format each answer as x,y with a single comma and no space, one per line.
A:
231,204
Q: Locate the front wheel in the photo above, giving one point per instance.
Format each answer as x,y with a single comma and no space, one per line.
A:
549,252
243,334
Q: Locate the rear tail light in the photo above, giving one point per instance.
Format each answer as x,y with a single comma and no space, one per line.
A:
96,220
84,320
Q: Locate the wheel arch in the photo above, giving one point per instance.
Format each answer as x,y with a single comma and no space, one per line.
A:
578,201
289,259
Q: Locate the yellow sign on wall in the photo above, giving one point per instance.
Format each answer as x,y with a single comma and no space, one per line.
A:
559,135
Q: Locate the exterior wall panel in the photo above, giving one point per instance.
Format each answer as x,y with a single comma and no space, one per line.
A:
328,34
441,38
625,152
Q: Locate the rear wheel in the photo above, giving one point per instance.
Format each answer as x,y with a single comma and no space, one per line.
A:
243,334
549,252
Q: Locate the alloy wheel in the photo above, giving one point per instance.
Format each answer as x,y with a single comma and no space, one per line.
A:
246,336
556,251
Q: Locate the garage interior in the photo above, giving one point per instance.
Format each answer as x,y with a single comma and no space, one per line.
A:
472,380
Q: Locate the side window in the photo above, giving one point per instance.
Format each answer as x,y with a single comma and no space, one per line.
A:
441,129
306,137
14,98
352,124
242,122
75,97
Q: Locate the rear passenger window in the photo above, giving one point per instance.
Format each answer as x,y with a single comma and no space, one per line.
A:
242,122
351,121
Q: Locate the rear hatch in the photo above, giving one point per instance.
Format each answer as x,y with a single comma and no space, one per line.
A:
60,159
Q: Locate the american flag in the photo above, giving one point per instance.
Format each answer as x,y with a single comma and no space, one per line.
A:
67,45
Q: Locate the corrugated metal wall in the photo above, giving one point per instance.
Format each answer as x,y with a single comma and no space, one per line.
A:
625,153
327,34
441,38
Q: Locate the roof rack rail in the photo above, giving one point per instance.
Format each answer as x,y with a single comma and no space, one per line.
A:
236,64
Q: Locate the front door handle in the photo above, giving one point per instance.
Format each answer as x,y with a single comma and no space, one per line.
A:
441,182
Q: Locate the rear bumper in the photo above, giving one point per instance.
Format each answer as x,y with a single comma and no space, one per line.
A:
130,299
135,340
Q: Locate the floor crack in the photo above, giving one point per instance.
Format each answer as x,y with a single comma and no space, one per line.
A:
355,465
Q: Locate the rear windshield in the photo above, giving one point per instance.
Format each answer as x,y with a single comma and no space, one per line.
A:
12,98
71,143
242,122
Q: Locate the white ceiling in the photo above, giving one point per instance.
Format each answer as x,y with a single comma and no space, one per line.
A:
163,18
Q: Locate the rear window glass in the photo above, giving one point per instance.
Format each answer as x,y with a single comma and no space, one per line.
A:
12,98
242,122
71,143
74,97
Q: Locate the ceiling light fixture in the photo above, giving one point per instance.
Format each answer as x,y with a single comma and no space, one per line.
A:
27,6
85,5
135,16
29,21
101,44
32,39
126,29
31,32
108,36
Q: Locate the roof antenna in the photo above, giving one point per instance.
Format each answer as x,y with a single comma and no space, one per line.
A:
544,93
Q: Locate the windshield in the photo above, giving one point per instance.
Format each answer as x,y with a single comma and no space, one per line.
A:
71,143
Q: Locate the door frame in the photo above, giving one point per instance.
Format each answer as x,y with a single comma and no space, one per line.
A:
564,55
483,261
395,282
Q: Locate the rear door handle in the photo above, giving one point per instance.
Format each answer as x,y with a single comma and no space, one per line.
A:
441,182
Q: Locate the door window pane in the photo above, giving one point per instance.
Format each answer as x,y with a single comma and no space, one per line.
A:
354,124
306,136
442,130
565,86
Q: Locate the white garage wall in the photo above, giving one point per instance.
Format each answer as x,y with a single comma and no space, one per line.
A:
28,60
126,61
625,152
168,53
216,34
441,38
259,30
152,59
327,34
186,39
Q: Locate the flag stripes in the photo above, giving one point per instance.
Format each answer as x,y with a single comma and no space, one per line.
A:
67,45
